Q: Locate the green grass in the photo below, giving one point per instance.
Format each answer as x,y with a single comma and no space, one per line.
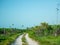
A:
46,40
49,40
8,35
6,40
24,40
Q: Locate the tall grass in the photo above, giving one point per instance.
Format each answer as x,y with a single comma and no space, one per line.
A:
45,40
24,40
9,36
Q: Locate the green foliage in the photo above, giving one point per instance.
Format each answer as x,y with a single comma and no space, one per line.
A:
24,40
8,35
45,34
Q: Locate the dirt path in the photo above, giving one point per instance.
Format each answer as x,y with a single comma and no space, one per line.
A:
30,41
18,41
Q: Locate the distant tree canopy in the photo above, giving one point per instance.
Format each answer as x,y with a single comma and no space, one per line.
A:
46,29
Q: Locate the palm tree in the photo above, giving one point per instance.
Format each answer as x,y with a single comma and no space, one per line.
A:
12,24
12,28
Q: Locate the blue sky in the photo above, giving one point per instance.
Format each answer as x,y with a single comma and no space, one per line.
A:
27,12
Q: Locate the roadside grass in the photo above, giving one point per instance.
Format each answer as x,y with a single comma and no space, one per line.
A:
46,40
8,39
8,35
24,40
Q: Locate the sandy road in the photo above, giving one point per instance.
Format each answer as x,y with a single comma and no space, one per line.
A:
18,41
30,41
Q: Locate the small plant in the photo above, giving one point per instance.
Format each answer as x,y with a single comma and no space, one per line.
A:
24,40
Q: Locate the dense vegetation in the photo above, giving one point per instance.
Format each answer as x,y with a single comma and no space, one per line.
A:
8,35
46,34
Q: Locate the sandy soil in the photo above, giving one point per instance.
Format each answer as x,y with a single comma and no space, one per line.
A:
18,41
30,41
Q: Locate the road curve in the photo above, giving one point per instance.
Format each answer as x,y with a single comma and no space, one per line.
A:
30,41
18,41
